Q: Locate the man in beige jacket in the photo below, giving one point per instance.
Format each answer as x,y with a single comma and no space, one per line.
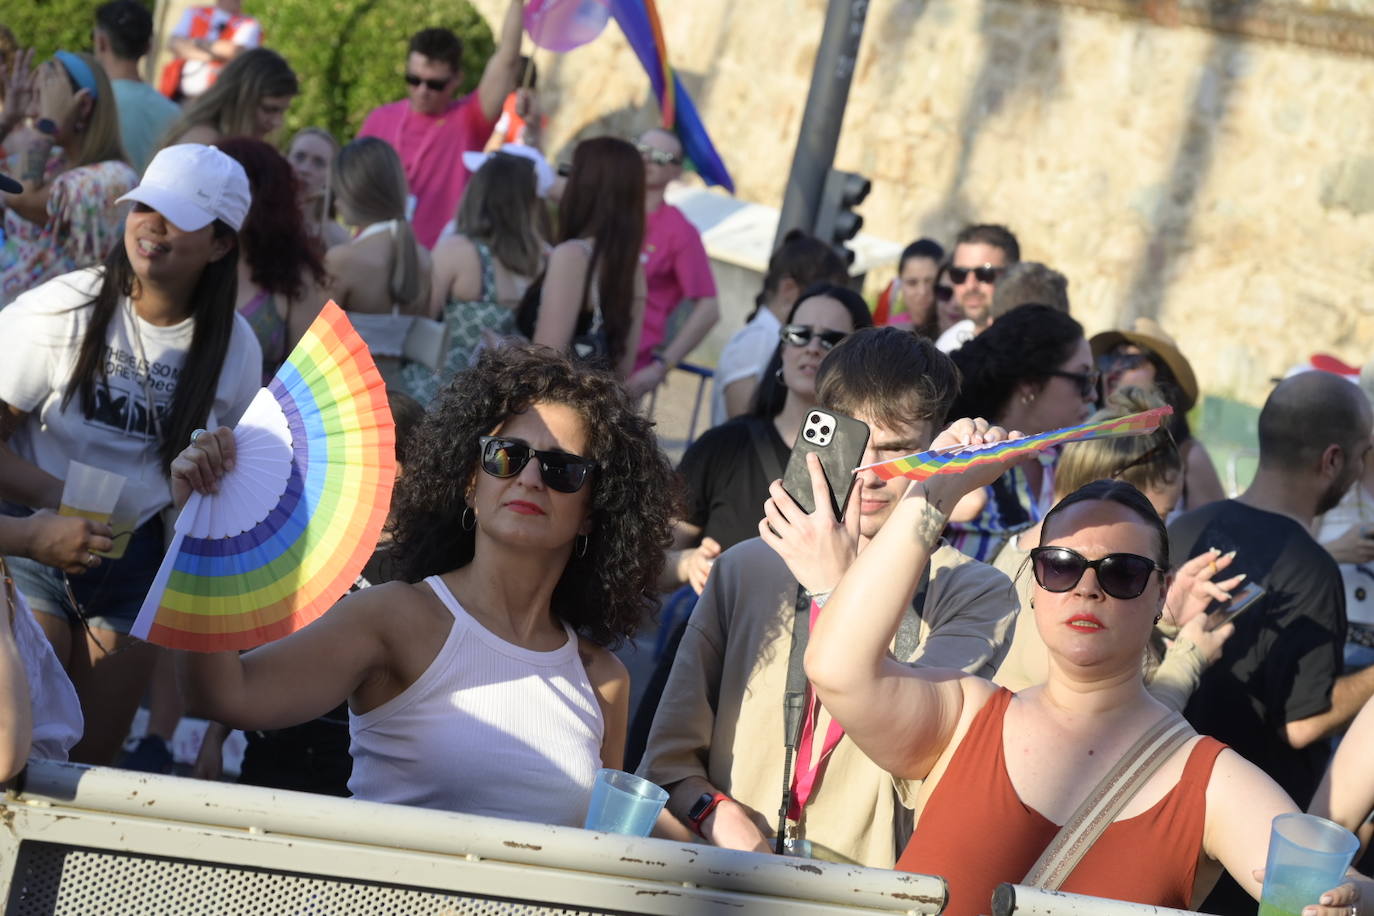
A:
717,743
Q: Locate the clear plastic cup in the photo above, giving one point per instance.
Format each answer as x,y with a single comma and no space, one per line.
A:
1308,856
124,518
624,803
90,493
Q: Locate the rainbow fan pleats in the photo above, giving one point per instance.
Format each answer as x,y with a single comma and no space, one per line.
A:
299,515
954,461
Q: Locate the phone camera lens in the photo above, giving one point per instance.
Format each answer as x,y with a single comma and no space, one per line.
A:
810,434
825,430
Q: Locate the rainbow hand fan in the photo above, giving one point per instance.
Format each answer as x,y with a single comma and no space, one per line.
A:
958,459
297,518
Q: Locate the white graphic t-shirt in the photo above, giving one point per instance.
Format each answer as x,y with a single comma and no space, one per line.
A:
42,332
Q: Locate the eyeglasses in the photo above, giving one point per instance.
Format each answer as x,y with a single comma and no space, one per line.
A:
1121,575
944,293
799,335
560,471
985,274
657,156
1088,382
433,85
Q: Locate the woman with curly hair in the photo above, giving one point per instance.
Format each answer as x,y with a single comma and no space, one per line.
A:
281,273
528,529
1031,371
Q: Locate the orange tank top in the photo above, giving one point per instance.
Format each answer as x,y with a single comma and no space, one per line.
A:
977,834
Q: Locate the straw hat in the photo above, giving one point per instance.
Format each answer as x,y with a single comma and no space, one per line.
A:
1148,335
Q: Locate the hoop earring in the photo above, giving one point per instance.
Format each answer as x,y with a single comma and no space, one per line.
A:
777,374
469,519
580,545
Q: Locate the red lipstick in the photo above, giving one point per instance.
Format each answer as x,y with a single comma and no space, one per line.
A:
524,508
1086,622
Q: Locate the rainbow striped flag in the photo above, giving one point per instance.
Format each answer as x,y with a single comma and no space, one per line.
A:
957,459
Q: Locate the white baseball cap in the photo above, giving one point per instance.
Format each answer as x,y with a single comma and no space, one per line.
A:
544,176
194,185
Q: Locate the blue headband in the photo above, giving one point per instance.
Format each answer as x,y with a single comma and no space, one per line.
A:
79,71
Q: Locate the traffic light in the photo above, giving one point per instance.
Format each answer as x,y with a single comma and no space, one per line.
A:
836,222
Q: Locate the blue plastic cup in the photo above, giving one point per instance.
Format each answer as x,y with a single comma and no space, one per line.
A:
1308,856
624,803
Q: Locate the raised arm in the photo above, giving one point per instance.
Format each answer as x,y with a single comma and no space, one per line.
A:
1346,793
503,68
901,717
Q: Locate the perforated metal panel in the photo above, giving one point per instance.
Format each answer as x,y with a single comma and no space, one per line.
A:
58,880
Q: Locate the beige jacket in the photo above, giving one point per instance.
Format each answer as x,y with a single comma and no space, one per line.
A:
721,715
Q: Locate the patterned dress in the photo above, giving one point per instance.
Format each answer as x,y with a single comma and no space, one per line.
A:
83,226
466,321
270,329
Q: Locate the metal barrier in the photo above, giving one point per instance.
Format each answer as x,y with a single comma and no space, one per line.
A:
79,840
1019,900
703,375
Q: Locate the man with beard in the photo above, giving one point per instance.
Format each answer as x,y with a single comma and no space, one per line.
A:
1277,692
981,253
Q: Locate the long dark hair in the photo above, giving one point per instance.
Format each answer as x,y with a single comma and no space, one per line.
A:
772,393
603,592
274,242
604,201
212,306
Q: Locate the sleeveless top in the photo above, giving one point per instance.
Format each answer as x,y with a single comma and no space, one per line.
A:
977,833
490,728
467,319
269,327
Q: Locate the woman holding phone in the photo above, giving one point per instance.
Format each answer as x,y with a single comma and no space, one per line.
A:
528,531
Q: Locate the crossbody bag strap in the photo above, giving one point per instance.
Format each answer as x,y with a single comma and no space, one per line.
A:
768,458
793,703
1106,800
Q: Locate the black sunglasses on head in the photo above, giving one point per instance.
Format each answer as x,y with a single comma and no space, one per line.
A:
799,335
1121,575
503,457
434,85
984,274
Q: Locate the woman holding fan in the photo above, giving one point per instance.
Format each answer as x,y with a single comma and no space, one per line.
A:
529,527
114,366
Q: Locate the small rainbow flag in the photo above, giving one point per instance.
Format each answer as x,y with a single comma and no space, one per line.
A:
957,459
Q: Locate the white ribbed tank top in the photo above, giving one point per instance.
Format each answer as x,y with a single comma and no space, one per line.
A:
489,728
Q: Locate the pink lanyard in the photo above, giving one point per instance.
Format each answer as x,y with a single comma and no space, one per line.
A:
805,775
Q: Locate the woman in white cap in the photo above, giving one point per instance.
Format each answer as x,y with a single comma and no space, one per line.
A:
115,366
481,272
1147,357
65,217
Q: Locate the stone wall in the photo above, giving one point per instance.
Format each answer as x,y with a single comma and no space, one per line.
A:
1207,162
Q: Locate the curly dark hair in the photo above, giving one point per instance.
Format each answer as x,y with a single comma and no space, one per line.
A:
603,595
1025,345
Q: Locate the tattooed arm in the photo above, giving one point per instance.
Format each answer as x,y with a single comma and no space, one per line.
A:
901,717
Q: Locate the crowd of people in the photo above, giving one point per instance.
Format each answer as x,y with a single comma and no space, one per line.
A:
930,679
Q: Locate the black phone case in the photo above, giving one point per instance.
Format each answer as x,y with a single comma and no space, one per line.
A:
840,447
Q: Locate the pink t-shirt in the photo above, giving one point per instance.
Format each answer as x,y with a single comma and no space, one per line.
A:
675,268
431,148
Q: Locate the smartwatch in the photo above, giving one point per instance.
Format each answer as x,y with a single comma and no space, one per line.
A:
702,809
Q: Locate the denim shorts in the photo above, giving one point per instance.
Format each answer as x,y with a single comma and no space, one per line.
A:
110,595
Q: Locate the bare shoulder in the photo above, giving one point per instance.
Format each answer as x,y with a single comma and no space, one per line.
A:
606,672
457,251
573,251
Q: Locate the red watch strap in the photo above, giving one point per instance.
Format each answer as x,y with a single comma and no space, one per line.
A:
700,819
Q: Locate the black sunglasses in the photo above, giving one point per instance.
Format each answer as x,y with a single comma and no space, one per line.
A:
1121,575
560,471
1089,383
985,274
799,335
657,156
434,85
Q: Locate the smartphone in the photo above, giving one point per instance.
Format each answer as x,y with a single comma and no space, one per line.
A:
1241,602
840,442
